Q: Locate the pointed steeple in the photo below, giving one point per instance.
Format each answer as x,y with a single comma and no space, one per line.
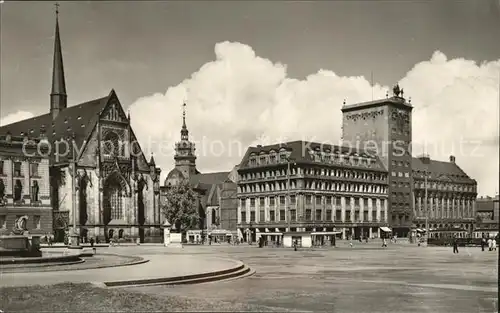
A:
184,130
152,160
58,97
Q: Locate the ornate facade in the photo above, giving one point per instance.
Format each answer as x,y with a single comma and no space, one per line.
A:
487,217
97,168
24,185
451,197
313,187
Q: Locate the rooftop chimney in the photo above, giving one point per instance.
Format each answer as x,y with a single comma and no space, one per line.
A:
452,159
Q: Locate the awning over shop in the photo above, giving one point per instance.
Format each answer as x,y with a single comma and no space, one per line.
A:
271,234
386,229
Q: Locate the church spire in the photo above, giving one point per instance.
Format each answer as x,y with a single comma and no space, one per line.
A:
184,130
58,97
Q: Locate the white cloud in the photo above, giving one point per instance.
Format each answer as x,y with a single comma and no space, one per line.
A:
240,97
15,117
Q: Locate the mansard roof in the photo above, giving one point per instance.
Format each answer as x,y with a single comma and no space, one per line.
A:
300,152
440,170
79,120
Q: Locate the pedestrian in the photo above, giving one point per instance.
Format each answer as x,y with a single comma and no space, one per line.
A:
384,243
350,241
483,243
494,244
455,244
490,244
92,244
295,245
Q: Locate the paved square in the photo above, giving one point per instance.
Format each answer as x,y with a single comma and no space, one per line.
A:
365,278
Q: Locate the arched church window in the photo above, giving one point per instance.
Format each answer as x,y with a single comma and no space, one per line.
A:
113,202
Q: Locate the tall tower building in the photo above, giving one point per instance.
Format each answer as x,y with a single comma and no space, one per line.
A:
185,158
384,127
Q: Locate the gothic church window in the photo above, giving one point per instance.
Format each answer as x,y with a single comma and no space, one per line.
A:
112,144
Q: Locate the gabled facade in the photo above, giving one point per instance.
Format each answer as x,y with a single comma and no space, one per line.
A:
97,168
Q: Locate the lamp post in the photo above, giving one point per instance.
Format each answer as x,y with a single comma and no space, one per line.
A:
426,208
74,236
288,173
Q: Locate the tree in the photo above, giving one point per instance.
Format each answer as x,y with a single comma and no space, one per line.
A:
180,207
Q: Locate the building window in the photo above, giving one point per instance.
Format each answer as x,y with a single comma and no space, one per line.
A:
293,214
356,216
293,199
329,200
34,169
318,200
308,199
3,221
1,167
282,215
318,215
36,222
252,202
17,169
308,215
400,174
272,201
262,160
242,203
261,201
272,215
338,201
348,215
407,175
338,215
393,174
243,216
252,216
18,190
365,216
282,200
262,216
328,215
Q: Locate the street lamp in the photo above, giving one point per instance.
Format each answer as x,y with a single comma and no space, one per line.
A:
426,208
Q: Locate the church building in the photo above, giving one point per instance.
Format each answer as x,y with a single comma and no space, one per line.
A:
97,168
217,191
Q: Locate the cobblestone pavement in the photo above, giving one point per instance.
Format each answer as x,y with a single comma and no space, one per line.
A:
366,278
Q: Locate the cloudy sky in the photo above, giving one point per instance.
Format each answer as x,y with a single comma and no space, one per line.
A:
261,72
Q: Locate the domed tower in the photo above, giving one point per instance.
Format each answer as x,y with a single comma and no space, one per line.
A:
185,159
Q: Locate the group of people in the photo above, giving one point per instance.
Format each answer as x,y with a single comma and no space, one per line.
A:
491,243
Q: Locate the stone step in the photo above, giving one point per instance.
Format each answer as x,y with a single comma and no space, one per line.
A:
235,272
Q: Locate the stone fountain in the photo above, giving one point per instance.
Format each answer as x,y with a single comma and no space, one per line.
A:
20,243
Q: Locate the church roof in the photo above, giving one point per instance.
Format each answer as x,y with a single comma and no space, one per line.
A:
441,170
78,120
209,178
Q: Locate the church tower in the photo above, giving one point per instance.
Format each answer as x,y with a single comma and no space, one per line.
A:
58,97
185,159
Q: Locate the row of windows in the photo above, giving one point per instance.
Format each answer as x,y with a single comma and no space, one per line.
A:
17,169
308,200
435,212
325,186
19,190
400,174
314,172
400,163
438,186
319,215
321,157
400,184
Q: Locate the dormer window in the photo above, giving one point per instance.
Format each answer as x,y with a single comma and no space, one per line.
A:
66,121
31,131
83,125
79,118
